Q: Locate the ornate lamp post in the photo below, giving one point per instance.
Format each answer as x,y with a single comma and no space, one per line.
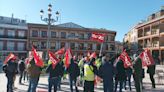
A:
49,20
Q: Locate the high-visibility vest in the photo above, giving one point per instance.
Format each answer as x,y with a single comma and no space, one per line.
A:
88,73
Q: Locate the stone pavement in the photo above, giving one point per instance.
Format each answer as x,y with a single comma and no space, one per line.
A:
43,85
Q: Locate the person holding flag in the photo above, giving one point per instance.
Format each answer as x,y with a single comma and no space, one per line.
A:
10,68
55,71
34,69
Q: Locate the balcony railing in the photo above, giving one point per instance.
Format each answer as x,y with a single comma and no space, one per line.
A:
14,37
155,31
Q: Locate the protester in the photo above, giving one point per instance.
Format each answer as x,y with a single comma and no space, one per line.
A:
54,73
21,68
74,72
34,74
90,70
151,71
120,75
11,70
128,77
106,72
138,73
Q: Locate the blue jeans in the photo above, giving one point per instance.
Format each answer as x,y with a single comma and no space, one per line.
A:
33,84
10,82
73,81
53,82
108,85
121,85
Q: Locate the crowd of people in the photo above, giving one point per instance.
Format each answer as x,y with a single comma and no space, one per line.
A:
81,71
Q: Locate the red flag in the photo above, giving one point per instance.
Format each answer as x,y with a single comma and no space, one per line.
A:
10,56
68,56
38,60
146,58
53,59
98,37
126,59
93,55
88,54
60,51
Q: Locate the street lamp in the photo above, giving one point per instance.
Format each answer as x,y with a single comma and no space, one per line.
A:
49,20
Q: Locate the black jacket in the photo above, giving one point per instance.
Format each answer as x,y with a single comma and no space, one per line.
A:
73,70
56,72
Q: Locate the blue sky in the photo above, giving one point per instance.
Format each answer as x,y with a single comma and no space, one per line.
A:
117,15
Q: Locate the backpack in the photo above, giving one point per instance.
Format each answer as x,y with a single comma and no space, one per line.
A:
11,67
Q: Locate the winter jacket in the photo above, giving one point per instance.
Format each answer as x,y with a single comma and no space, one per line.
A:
55,72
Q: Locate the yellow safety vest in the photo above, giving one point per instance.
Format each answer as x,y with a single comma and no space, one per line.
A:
88,73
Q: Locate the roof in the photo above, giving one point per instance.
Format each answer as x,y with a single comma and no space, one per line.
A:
70,25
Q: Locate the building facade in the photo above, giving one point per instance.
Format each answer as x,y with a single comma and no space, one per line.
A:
13,37
151,34
69,35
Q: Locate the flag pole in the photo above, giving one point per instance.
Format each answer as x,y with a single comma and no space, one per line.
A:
100,54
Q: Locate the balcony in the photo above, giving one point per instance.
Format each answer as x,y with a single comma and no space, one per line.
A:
12,37
155,31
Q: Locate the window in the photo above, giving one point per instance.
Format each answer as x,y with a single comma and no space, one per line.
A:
21,46
81,36
43,45
72,45
62,44
11,33
53,34
89,35
34,33
53,45
106,47
21,34
112,47
112,38
1,45
44,33
98,46
90,46
35,43
10,45
63,34
81,46
1,32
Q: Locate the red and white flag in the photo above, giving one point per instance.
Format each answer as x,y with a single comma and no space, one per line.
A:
60,51
10,56
68,56
146,58
98,37
38,61
93,55
53,59
126,59
88,54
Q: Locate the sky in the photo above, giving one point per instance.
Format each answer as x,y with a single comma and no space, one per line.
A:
116,15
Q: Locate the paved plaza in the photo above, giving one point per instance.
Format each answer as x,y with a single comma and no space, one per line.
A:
43,85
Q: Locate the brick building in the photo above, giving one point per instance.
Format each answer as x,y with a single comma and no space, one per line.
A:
69,35
13,37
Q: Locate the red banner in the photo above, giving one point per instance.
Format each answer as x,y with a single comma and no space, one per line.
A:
98,37
68,56
93,55
38,60
10,56
60,51
53,59
126,59
146,58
